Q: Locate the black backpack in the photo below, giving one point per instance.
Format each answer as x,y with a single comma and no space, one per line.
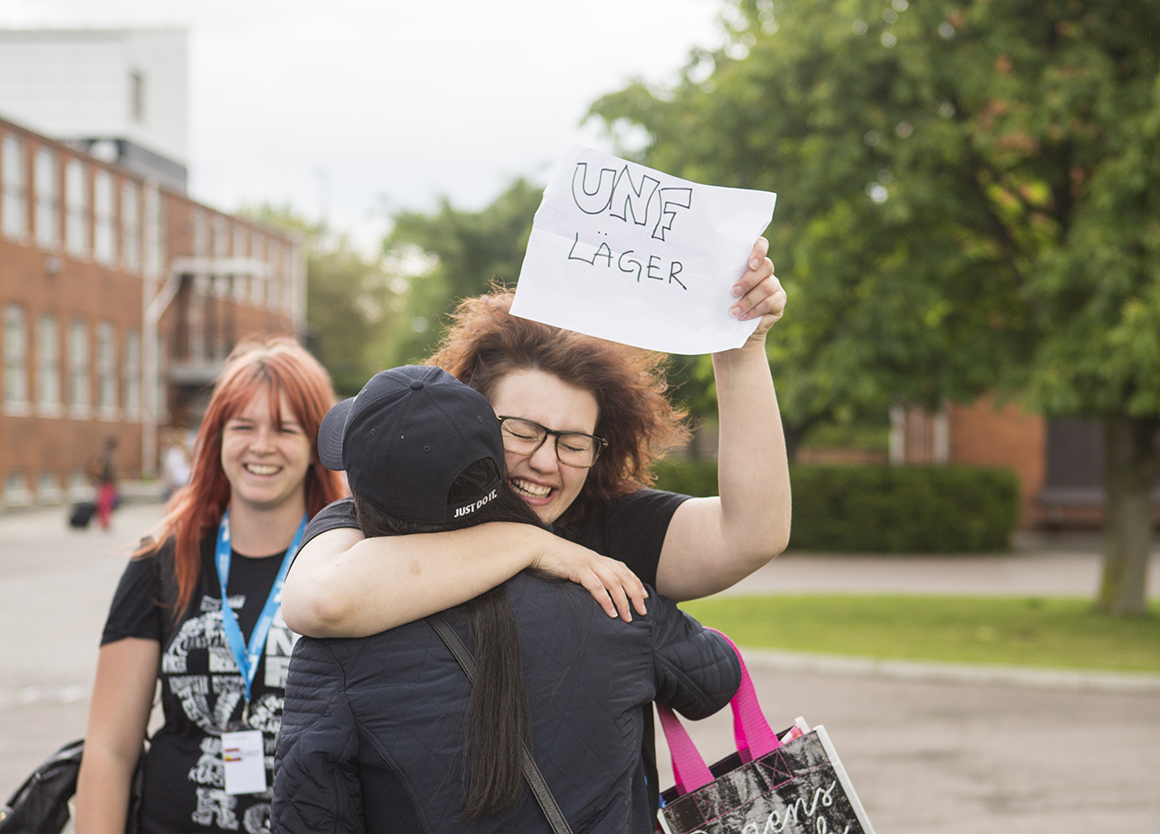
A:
40,805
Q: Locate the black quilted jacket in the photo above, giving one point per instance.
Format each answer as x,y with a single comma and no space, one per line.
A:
372,730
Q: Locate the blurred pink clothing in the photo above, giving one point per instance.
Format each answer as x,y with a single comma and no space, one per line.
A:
106,496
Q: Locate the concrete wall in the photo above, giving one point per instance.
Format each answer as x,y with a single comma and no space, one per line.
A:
83,84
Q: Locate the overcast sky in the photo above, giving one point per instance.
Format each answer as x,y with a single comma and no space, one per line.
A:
356,107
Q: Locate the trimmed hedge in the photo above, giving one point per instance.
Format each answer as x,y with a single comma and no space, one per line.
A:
884,509
689,477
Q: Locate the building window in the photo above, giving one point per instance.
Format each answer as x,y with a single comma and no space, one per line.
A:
137,96
78,368
274,260
47,199
241,288
15,359
48,366
103,234
157,403
131,227
289,279
258,279
131,371
200,234
48,489
221,241
80,488
16,492
13,208
278,266
197,308
76,201
106,367
153,231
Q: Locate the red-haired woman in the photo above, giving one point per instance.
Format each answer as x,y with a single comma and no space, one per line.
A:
199,609
582,420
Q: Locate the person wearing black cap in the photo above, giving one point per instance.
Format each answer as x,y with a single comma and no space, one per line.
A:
386,733
405,439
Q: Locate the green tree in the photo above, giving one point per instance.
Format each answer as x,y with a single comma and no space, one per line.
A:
969,199
464,252
353,315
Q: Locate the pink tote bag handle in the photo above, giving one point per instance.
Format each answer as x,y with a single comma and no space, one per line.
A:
751,732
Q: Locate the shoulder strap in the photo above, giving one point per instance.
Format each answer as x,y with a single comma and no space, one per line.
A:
532,774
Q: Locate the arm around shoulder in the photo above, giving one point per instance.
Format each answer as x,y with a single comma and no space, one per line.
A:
345,585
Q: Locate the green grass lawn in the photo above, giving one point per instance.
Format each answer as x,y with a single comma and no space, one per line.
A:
1049,632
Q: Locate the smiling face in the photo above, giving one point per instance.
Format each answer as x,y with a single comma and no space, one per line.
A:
265,463
545,484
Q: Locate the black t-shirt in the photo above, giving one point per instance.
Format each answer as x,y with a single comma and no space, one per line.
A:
202,692
632,529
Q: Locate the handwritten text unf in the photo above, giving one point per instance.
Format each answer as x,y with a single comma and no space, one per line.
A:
616,195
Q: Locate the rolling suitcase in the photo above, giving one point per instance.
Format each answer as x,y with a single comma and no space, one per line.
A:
81,514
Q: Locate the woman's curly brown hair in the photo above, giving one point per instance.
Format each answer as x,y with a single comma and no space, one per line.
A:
486,343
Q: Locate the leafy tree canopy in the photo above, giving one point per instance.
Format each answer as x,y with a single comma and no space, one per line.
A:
466,251
969,199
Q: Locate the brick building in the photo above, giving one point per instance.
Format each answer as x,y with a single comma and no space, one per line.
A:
120,297
120,94
1059,461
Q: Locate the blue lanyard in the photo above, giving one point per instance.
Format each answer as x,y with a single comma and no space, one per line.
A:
248,660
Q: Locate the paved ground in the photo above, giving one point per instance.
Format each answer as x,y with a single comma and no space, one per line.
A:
1040,565
930,748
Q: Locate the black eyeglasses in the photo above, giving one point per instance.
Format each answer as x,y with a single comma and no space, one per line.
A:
573,448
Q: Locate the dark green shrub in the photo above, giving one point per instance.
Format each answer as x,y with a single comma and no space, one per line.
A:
690,477
885,509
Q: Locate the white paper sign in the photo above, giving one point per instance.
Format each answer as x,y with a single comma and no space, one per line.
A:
633,255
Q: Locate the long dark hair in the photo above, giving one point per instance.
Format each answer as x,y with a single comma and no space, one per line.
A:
499,725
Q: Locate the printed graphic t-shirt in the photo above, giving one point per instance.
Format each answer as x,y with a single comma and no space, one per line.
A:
202,692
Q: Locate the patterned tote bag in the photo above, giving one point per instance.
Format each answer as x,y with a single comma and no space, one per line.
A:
794,784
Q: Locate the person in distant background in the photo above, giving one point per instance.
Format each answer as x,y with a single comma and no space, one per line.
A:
104,472
175,464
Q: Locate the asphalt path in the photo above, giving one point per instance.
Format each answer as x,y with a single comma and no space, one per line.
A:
929,747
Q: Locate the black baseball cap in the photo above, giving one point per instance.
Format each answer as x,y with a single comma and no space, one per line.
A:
406,437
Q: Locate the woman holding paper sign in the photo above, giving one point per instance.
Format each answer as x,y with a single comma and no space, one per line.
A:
552,387
339,586
229,534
